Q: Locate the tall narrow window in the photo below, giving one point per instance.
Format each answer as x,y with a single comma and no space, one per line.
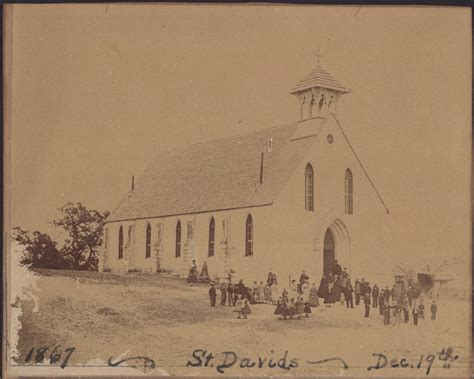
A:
309,188
178,239
212,233
148,242
249,236
120,243
348,192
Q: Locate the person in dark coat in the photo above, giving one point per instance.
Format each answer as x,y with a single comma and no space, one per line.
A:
421,311
223,294
270,279
363,288
375,296
323,285
212,295
367,304
336,290
386,314
393,292
230,294
240,289
406,313
357,291
434,309
304,277
381,302
348,290
367,288
415,316
336,269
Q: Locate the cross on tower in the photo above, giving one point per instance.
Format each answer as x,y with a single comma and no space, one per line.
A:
319,55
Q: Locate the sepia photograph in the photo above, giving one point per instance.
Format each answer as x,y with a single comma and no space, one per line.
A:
237,190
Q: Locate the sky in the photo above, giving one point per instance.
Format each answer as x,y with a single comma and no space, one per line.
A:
99,90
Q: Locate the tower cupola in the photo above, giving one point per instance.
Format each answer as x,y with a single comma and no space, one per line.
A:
318,93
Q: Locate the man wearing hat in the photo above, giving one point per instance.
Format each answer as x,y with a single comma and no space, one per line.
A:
212,294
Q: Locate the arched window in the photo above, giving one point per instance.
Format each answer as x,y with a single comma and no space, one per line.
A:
120,243
302,107
178,239
212,233
311,105
148,242
249,236
309,188
348,190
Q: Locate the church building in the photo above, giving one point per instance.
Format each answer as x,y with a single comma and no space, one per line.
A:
283,199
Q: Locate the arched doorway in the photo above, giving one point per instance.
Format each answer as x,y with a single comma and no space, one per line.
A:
329,251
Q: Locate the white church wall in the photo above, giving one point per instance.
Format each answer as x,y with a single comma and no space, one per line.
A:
301,232
249,268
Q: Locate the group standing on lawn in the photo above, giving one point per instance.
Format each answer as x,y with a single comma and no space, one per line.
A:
394,305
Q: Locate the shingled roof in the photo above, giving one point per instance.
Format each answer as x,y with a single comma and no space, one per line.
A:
319,78
216,175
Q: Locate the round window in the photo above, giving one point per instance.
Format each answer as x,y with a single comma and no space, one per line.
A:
330,138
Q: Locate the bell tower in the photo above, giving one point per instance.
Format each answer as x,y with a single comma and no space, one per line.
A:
318,93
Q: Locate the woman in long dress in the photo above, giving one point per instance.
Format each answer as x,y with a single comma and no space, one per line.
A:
313,296
204,275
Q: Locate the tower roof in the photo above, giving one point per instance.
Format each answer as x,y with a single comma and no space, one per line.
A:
319,78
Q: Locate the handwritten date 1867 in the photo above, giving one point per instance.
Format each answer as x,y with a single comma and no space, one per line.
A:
56,356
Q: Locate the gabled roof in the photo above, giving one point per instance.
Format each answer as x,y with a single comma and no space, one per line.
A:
216,175
319,78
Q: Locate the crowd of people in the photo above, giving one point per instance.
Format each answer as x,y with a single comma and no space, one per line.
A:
394,305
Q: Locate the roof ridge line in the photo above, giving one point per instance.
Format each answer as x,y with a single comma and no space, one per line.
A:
230,137
361,165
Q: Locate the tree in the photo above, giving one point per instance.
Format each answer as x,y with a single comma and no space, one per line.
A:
40,250
84,228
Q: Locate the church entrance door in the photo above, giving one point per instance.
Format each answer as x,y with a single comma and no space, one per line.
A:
329,252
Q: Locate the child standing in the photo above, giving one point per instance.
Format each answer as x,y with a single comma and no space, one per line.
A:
307,309
246,309
238,306
279,308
